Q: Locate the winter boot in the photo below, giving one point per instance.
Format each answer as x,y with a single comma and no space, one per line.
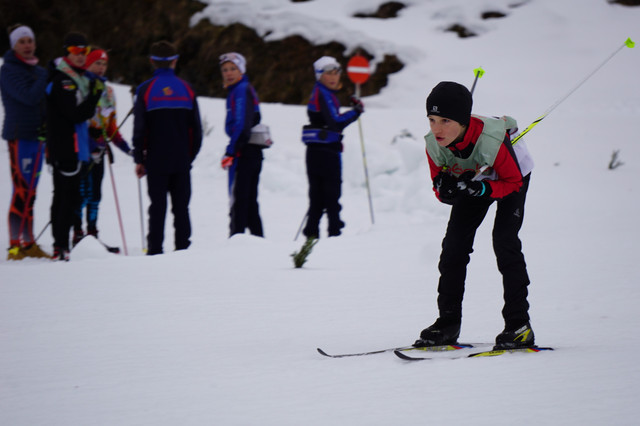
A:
60,254
445,331
78,235
34,250
92,230
15,253
336,230
515,337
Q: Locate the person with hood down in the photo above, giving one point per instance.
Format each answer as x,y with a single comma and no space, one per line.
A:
103,129
323,138
242,159
22,84
72,96
474,165
167,136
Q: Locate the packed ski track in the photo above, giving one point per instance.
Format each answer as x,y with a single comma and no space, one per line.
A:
226,332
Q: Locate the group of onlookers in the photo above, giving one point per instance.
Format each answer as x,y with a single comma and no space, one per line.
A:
66,115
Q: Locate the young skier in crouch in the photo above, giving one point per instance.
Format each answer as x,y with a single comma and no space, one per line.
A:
459,147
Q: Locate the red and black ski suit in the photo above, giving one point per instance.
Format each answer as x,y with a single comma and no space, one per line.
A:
508,188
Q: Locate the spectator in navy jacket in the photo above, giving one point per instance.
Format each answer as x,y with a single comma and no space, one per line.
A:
22,83
167,135
242,158
323,137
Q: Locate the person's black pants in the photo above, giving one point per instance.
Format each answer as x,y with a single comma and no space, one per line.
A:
178,187
466,216
66,200
324,172
245,210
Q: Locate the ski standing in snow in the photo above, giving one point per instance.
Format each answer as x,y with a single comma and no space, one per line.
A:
473,164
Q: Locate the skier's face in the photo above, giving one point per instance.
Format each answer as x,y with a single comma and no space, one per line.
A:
331,79
98,67
445,130
78,59
25,47
230,74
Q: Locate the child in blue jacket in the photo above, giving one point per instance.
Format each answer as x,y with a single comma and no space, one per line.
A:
323,137
242,159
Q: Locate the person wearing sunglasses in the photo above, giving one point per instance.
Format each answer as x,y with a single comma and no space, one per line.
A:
72,97
22,84
242,159
323,138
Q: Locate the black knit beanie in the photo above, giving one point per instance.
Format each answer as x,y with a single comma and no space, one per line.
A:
450,100
74,39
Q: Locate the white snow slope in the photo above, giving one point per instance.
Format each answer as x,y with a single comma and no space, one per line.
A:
226,332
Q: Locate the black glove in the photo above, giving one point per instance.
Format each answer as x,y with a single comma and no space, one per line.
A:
446,185
95,133
473,188
42,133
357,104
96,87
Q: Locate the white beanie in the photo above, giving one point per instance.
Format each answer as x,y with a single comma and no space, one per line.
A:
326,63
236,59
18,33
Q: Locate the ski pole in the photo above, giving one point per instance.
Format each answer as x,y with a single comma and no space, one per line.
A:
304,219
144,246
109,138
478,73
123,121
42,232
364,160
115,196
628,43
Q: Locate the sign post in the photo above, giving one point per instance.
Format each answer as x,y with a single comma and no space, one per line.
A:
358,71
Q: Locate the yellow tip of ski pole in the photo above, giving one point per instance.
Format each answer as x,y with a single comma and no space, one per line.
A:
479,72
629,43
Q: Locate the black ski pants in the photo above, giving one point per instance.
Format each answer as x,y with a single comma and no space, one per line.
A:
66,200
466,216
245,210
324,172
178,187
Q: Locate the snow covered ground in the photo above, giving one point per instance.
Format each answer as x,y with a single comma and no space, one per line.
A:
225,333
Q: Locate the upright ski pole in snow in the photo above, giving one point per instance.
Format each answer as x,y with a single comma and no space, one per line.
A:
628,43
364,161
115,196
144,246
358,71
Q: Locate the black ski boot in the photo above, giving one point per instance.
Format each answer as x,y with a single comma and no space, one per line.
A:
60,254
445,331
515,338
